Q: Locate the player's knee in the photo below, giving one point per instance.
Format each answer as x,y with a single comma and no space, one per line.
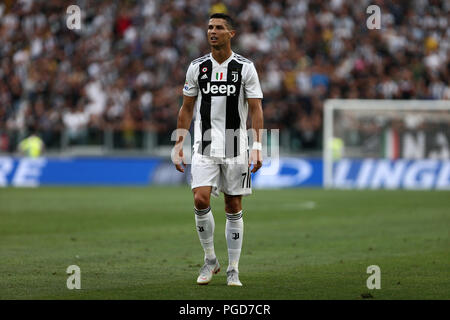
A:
233,206
232,210
201,200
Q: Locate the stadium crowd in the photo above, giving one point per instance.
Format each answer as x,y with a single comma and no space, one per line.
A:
125,68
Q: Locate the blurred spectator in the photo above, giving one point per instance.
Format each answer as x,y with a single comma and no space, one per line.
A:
124,70
32,146
76,121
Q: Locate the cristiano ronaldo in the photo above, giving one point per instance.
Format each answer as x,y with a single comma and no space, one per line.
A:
222,87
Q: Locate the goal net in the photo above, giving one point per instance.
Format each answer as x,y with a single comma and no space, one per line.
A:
387,144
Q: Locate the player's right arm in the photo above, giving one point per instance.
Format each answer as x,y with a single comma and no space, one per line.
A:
185,116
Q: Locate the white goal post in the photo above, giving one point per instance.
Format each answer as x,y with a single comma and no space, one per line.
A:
384,129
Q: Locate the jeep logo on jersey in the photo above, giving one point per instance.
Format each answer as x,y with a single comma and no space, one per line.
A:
219,89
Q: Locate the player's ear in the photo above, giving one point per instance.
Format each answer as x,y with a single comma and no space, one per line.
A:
232,33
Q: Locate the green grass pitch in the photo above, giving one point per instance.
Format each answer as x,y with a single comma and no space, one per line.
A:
141,243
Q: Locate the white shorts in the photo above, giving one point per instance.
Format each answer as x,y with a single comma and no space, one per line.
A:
229,175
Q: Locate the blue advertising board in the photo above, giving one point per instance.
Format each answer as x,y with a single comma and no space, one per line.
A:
77,171
289,172
286,172
392,174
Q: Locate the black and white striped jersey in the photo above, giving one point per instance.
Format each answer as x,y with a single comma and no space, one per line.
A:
222,90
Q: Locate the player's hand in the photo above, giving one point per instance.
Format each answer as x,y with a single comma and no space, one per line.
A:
178,158
256,160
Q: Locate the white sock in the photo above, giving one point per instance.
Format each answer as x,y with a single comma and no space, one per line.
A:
234,232
204,222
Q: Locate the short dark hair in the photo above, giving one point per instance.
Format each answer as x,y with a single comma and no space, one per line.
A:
227,18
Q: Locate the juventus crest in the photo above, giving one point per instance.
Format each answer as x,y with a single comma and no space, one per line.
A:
234,76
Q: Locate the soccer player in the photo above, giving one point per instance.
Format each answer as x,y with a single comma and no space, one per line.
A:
223,87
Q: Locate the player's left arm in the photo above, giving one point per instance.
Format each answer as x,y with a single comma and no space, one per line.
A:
256,114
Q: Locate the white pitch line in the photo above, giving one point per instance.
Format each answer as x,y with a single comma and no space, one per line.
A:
305,205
